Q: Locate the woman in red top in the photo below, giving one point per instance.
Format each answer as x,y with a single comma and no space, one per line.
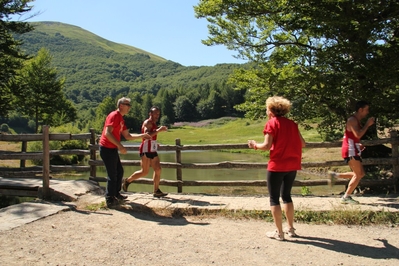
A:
285,142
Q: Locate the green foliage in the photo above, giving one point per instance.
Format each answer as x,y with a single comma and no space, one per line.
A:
39,93
95,68
165,121
36,146
322,55
305,191
11,55
4,128
104,108
184,108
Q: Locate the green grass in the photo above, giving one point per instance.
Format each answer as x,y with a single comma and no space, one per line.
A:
82,35
235,131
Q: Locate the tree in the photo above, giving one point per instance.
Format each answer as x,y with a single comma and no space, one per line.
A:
167,107
323,55
11,56
146,106
103,109
184,109
39,93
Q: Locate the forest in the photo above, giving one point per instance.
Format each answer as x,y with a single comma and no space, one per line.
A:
97,72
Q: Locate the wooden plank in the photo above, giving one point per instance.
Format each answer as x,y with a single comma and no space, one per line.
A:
70,152
21,156
21,137
69,168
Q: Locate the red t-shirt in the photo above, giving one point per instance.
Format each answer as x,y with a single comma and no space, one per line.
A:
114,119
286,149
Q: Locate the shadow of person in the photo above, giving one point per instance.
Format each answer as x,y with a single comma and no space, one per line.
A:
161,216
387,252
192,202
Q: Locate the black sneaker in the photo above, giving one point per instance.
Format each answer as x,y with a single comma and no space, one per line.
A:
125,184
112,202
159,194
121,197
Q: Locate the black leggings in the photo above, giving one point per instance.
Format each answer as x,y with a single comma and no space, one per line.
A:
280,183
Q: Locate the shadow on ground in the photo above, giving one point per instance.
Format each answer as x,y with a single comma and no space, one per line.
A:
355,249
171,217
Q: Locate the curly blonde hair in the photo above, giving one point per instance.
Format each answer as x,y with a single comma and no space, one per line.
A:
278,105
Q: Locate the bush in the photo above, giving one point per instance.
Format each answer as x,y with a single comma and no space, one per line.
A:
37,146
5,128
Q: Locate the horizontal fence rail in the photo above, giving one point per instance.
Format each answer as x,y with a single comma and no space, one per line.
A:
94,162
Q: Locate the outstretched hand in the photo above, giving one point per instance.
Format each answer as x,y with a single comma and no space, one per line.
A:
146,136
162,128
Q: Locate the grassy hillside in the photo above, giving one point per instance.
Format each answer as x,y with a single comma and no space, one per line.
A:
74,32
95,68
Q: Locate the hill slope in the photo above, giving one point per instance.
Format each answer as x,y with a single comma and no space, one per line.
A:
95,67
74,32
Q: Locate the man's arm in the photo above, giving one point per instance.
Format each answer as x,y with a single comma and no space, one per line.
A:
353,126
130,136
148,127
111,138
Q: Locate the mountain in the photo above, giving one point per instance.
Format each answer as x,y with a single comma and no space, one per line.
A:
95,67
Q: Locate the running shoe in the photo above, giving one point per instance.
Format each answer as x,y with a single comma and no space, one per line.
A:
112,202
125,184
348,200
121,197
159,194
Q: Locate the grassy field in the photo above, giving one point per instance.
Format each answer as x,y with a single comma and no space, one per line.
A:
223,131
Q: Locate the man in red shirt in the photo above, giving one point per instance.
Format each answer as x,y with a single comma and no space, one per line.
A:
110,143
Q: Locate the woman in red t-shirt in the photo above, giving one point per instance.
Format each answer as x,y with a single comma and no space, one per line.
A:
285,142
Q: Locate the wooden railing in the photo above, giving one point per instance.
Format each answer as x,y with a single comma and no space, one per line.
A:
46,169
178,165
43,171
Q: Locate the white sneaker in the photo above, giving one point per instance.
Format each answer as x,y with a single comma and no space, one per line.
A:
291,232
275,235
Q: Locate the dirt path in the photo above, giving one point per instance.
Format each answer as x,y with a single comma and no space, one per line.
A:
114,237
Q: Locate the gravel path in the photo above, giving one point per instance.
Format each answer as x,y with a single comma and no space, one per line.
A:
112,237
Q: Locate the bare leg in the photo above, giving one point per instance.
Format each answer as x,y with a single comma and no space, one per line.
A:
277,217
145,166
289,214
346,175
358,169
157,172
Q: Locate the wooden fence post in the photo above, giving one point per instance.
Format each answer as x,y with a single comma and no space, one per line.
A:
178,168
395,154
93,156
23,149
46,162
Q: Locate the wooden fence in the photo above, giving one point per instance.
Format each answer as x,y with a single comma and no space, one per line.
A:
95,161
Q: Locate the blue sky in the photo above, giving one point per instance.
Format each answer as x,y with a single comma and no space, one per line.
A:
167,28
